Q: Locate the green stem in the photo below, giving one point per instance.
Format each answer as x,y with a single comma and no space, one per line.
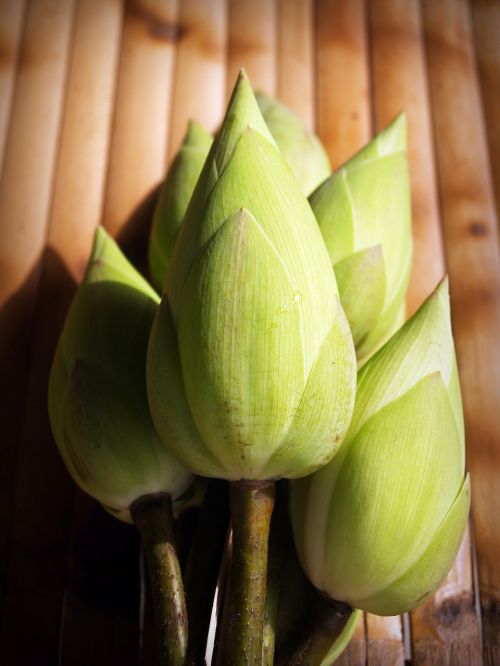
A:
251,505
152,515
328,621
203,565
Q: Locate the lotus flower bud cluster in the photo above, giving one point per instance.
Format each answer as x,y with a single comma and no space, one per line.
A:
363,211
301,149
251,366
380,526
173,200
97,391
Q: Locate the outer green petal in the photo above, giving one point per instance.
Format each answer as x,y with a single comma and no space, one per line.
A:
423,578
239,337
167,399
324,411
97,391
398,479
422,346
366,203
362,309
301,149
173,199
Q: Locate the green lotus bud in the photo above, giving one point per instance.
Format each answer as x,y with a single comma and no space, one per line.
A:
301,149
251,364
173,199
380,526
97,390
363,211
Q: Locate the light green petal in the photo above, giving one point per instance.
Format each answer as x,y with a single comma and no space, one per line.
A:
324,411
97,388
167,399
361,282
422,579
239,337
173,199
301,149
422,346
399,477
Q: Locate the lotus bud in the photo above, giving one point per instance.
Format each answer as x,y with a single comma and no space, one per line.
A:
301,149
363,211
173,199
97,389
251,363
379,527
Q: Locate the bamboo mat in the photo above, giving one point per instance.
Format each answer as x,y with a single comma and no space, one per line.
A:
94,100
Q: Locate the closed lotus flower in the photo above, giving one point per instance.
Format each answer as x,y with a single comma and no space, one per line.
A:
173,199
97,391
301,149
379,527
363,211
251,368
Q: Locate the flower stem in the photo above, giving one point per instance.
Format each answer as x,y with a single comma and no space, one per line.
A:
328,621
152,515
251,505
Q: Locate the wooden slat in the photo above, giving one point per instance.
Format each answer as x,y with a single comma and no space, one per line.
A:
473,260
384,640
200,72
295,66
342,78
25,191
400,84
141,120
252,43
486,23
11,24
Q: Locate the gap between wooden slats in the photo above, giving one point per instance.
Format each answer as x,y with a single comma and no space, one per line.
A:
252,44
343,122
472,253
32,546
400,83
200,68
486,24
12,16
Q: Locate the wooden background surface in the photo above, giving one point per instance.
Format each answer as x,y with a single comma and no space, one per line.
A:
94,99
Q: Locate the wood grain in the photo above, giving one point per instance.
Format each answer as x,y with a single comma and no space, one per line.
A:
295,57
200,68
11,26
252,43
141,120
471,245
486,24
356,652
343,119
31,556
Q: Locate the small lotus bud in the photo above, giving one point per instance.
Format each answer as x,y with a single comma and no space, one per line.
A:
301,149
363,211
173,200
380,526
251,367
97,389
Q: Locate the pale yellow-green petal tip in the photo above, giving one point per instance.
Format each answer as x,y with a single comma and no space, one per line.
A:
393,137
